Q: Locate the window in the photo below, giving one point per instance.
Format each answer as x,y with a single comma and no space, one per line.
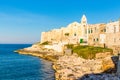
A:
114,29
75,25
75,34
66,34
84,21
81,40
91,30
97,39
104,30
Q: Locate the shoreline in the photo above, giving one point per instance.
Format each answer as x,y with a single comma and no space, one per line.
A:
72,67
37,54
40,55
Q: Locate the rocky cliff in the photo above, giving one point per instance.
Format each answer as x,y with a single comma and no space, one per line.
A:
72,67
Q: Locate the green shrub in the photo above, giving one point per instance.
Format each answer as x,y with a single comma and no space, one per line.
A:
45,43
70,46
66,34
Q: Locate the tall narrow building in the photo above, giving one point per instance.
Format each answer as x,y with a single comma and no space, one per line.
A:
84,20
84,28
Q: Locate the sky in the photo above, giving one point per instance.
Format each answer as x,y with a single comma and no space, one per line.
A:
22,21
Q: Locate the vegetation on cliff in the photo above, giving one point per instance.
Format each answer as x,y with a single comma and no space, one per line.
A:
45,43
88,52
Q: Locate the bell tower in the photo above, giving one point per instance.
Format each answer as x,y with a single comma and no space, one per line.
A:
84,28
83,20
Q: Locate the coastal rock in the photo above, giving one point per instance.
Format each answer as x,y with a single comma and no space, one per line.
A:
73,67
102,55
107,63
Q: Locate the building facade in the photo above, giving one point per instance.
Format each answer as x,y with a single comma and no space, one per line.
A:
71,34
92,34
113,33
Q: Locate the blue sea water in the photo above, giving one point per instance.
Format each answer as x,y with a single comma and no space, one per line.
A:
15,66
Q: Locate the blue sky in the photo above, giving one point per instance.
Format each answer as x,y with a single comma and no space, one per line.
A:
22,21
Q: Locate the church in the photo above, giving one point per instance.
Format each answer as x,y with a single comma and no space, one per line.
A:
101,34
74,33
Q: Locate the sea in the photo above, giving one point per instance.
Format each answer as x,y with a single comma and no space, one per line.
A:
14,66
